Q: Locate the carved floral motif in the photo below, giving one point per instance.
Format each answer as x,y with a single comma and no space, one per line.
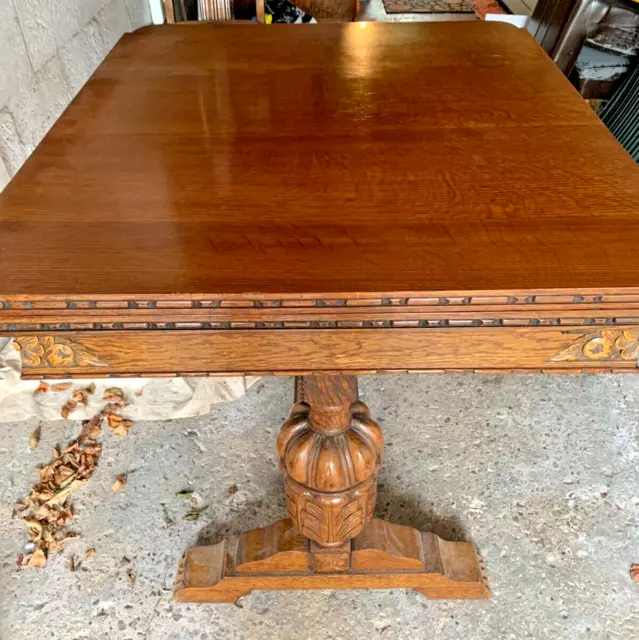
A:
603,345
55,352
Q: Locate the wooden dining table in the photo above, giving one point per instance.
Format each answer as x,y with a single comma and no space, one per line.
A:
324,202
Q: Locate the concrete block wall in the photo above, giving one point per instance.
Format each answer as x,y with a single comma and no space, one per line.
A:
48,50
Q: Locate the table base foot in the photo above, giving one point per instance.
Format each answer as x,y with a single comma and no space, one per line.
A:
383,556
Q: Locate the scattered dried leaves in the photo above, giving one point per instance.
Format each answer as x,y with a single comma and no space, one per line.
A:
34,440
634,572
120,482
46,511
61,386
116,402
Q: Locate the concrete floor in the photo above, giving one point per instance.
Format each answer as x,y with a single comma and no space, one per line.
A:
540,472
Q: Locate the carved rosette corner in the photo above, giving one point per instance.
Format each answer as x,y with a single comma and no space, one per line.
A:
39,352
601,346
330,472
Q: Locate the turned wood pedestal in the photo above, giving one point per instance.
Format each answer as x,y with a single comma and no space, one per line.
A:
330,454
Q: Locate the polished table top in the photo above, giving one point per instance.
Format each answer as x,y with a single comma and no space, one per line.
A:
230,159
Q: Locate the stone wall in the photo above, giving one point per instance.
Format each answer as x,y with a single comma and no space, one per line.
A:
48,50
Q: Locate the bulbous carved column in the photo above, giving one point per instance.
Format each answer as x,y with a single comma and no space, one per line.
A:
330,455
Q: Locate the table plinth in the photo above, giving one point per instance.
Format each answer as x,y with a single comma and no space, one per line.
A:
330,456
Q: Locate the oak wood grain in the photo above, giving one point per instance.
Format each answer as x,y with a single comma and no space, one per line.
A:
387,157
295,351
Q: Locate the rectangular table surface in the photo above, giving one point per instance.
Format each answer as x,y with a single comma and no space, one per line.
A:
359,158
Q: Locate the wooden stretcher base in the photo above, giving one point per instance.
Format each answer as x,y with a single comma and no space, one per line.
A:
383,556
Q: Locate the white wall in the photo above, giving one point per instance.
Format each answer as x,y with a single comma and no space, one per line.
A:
48,50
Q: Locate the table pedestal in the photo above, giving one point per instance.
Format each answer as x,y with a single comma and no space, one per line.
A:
330,455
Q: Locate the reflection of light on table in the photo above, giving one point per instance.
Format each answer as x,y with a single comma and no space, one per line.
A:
358,50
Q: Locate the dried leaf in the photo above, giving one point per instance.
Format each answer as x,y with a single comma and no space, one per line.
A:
114,395
35,529
114,420
634,572
41,495
89,554
90,389
119,425
43,387
67,408
73,446
67,480
72,565
91,428
80,396
68,536
36,559
192,516
61,386
232,489
120,482
62,475
34,440
59,498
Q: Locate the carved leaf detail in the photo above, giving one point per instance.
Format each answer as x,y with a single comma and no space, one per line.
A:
628,344
605,345
349,520
314,521
31,351
55,352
